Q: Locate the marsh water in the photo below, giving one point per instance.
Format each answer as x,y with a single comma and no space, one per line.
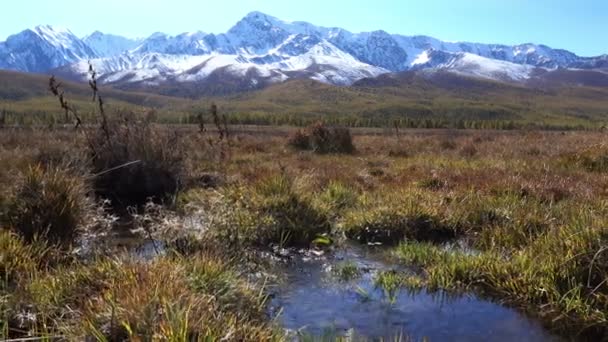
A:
313,301
310,300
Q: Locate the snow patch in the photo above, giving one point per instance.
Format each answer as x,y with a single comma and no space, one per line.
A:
422,58
474,65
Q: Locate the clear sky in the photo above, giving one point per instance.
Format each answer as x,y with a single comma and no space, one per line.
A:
577,25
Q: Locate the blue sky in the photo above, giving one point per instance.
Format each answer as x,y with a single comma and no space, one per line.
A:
580,26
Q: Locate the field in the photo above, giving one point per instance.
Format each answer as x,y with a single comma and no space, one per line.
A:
517,217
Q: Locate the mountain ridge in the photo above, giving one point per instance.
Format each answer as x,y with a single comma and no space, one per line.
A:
261,49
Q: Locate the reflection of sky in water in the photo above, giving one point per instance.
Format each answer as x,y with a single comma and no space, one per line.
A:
311,302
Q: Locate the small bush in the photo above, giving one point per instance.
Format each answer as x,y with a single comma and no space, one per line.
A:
331,140
299,140
399,152
52,203
157,169
322,139
447,144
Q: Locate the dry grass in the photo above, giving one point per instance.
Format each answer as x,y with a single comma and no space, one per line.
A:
135,162
51,204
171,298
532,204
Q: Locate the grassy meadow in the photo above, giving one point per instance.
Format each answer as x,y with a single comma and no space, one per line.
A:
164,224
529,207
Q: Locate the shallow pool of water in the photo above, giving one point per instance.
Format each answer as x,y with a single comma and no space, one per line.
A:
313,301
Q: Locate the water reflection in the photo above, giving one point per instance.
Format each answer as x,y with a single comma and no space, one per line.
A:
311,300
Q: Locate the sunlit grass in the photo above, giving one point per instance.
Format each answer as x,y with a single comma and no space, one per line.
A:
524,222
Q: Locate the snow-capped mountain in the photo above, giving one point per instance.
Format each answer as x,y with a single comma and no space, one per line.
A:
469,64
106,45
261,49
321,61
43,48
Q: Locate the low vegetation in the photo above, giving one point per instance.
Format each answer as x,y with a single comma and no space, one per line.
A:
322,139
135,162
416,103
50,204
516,216
392,217
115,298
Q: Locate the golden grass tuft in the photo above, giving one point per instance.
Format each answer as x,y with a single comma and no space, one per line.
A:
50,203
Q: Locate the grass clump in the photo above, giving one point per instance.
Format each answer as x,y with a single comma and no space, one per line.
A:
292,217
22,262
391,283
338,197
323,139
391,218
347,271
433,183
50,203
170,298
272,212
136,162
593,159
18,259
562,275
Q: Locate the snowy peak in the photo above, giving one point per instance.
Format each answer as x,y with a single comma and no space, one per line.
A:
297,44
472,65
469,64
263,20
56,36
256,33
258,21
257,16
262,49
190,43
106,45
42,48
300,57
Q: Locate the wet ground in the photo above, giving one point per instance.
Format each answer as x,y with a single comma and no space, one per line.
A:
311,299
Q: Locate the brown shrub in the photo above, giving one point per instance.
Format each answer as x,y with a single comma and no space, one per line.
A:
135,162
299,140
323,139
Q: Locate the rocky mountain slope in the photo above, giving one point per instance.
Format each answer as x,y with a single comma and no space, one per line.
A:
260,50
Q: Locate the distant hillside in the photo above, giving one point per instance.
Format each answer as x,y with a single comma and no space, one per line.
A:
18,86
439,96
446,99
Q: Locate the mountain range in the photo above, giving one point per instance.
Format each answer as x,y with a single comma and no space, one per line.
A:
261,50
